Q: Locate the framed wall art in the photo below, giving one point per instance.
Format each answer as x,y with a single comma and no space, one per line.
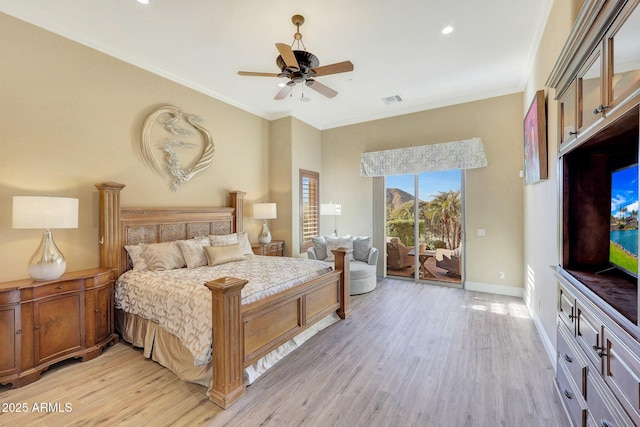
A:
535,141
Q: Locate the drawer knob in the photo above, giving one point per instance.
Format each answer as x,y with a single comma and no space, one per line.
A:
600,109
18,332
573,133
568,358
97,310
568,394
605,423
37,327
59,286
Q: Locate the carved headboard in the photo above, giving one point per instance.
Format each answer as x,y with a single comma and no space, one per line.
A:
131,226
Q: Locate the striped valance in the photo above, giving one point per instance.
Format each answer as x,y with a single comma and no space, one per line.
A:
466,154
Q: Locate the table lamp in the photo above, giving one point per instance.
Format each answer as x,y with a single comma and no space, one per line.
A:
31,212
264,211
334,210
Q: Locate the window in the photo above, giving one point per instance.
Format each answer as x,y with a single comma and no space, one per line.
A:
309,207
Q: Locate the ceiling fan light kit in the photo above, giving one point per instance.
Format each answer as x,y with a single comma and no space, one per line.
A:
301,66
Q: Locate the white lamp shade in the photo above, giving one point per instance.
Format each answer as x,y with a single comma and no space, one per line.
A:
44,212
330,209
265,211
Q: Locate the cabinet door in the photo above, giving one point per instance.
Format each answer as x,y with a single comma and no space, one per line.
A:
624,57
58,326
590,98
568,115
10,338
622,373
103,313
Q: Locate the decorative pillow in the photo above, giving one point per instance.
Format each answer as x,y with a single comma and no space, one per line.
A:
361,248
223,239
163,256
217,255
245,245
193,251
335,243
320,247
136,257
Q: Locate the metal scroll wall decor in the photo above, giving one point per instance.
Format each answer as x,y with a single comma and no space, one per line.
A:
172,119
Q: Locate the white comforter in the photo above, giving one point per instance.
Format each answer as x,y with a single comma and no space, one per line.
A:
179,302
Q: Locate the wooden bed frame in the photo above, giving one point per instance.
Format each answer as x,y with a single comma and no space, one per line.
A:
241,333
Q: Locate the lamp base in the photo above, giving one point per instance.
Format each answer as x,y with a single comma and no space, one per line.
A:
265,234
47,263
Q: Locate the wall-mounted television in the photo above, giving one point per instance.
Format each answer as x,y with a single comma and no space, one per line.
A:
623,245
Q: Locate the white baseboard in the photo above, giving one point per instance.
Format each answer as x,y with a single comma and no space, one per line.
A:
512,291
546,342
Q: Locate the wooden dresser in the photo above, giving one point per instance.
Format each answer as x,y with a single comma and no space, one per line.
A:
275,248
45,322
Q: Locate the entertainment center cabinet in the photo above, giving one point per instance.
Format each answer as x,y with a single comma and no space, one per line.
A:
597,81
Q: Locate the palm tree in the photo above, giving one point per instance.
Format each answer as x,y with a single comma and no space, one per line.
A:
444,211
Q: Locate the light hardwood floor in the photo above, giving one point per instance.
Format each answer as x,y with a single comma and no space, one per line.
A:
411,355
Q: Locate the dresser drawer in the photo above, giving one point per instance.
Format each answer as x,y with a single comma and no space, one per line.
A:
57,288
604,409
568,353
589,336
9,297
572,399
622,374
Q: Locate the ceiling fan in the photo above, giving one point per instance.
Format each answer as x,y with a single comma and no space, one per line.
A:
301,66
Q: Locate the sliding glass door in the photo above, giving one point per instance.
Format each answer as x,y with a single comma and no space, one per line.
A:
424,239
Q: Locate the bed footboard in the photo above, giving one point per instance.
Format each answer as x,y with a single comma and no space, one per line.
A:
244,334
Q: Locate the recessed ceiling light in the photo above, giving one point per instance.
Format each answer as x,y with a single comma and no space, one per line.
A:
447,30
143,1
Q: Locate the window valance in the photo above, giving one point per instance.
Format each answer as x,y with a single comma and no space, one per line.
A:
466,154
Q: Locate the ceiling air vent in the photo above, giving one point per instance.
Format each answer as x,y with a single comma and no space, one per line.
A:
391,99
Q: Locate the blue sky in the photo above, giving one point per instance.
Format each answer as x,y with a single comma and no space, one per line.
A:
624,190
431,183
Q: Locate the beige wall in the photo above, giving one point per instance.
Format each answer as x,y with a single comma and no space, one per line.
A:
294,145
71,117
541,200
493,195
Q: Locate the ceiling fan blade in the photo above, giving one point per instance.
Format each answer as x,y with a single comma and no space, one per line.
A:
251,73
288,56
338,67
319,87
282,94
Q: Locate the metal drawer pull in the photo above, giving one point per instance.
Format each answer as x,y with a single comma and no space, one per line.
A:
568,394
600,109
571,316
18,332
568,358
599,351
97,310
573,133
605,423
37,327
59,286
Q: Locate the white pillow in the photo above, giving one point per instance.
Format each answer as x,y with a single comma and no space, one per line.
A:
136,257
193,251
319,247
245,245
217,255
223,239
163,256
335,243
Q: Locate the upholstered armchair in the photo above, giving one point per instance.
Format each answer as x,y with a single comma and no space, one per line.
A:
398,255
450,260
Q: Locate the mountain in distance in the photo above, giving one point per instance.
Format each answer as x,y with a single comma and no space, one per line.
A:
397,197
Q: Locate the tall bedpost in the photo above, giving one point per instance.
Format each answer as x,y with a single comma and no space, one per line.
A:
109,214
228,341
342,264
237,202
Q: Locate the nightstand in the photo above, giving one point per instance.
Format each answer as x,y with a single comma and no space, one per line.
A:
275,248
45,322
